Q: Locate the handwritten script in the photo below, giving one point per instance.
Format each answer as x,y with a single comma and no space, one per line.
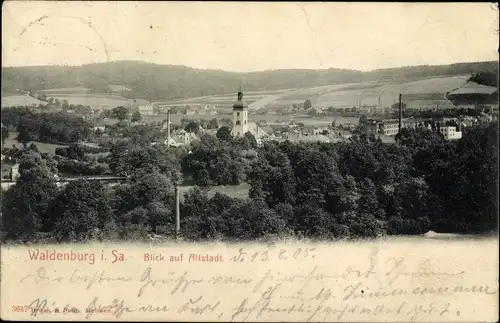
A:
261,283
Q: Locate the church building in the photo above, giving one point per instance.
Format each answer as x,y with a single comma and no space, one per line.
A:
241,125
240,116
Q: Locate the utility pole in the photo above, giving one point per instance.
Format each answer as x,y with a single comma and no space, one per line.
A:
400,113
168,128
177,213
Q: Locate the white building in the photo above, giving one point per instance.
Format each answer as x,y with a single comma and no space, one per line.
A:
240,117
181,138
258,133
146,109
306,138
450,132
390,127
14,175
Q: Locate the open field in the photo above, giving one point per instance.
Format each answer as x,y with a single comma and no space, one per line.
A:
432,89
345,95
101,102
19,100
42,147
238,191
84,96
431,86
77,89
368,93
421,93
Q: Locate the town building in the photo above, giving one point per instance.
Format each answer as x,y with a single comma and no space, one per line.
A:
14,173
371,127
304,138
99,128
390,127
450,132
258,133
240,116
180,138
146,109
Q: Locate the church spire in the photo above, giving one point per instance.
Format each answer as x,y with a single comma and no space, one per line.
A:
240,116
240,94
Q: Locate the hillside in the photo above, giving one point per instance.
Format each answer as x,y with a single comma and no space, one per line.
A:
155,82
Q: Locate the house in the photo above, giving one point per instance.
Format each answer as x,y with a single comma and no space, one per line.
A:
99,128
190,111
450,132
181,138
103,139
258,133
343,134
308,138
371,126
14,173
390,127
117,89
474,95
208,110
146,109
320,130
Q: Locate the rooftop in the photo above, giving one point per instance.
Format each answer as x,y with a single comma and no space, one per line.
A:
473,88
240,104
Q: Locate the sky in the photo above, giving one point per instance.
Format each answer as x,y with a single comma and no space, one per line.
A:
249,36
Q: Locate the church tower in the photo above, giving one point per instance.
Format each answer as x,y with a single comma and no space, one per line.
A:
240,116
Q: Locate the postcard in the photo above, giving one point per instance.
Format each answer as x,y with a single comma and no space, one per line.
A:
249,161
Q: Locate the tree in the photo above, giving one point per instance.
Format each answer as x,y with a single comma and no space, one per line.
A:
224,133
272,178
213,124
146,189
192,127
125,158
5,134
307,104
81,208
25,205
136,116
368,202
248,141
120,113
312,113
24,135
65,105
395,106
417,139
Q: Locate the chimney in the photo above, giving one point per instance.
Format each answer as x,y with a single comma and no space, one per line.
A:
168,129
400,113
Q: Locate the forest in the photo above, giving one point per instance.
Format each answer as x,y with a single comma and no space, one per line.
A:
304,190
51,127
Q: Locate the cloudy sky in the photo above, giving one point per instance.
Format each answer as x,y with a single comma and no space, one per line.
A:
249,36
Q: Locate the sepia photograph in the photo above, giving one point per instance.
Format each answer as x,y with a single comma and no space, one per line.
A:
195,137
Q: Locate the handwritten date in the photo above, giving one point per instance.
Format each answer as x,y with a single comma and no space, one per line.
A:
272,255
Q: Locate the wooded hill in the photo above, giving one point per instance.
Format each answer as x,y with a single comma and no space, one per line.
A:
167,82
